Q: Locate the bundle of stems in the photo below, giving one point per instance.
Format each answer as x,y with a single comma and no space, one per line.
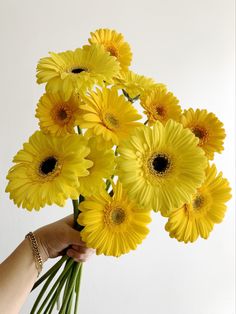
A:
64,292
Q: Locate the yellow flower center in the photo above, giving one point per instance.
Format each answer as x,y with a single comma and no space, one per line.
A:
114,215
159,164
117,216
201,133
111,121
48,166
198,207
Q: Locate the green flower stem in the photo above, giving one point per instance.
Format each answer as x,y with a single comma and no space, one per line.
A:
77,226
77,288
62,275
72,283
47,283
108,184
53,269
79,130
55,297
76,212
71,299
132,100
58,300
69,278
70,302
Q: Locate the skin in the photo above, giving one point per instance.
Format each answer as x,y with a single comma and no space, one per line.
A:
18,272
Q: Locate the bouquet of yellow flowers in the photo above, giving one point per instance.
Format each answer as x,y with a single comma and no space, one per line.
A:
116,169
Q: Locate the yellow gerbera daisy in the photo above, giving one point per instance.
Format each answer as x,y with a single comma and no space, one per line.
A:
161,167
207,127
160,105
46,170
114,43
113,225
103,167
56,115
108,114
134,84
207,207
77,71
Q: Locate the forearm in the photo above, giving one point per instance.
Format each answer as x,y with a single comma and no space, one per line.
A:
18,272
17,276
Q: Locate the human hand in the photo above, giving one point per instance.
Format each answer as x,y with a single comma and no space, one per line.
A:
61,238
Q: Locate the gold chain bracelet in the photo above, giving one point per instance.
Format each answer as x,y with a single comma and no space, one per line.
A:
35,250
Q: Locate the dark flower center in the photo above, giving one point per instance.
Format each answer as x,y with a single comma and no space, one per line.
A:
77,70
161,163
199,132
160,111
48,165
113,51
197,202
62,114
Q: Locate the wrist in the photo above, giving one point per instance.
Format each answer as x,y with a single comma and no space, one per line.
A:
41,246
35,248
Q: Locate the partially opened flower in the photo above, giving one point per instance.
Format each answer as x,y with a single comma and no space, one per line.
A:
161,166
77,71
207,127
206,208
109,114
160,105
134,84
114,43
46,170
113,225
103,167
56,115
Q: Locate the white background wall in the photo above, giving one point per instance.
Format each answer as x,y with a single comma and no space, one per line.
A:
187,44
